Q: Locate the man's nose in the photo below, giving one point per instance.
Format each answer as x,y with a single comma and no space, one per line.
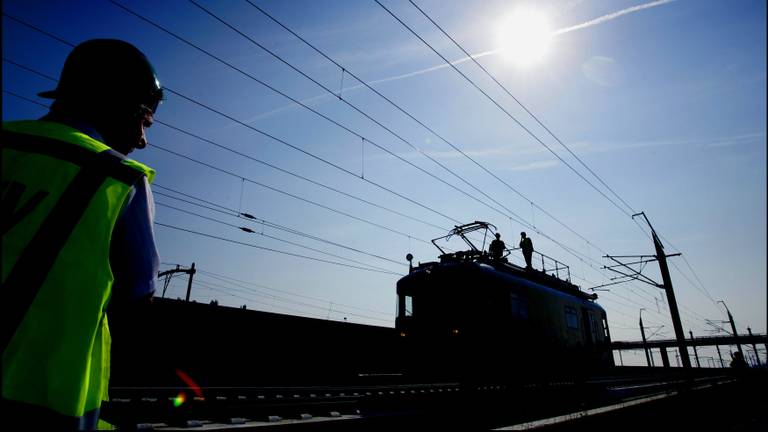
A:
142,140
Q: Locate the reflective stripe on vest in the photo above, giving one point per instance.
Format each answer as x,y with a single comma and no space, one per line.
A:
62,193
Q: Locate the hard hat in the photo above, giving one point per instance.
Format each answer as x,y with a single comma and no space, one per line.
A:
108,70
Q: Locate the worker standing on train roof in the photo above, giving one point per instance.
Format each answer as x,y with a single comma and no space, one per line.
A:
737,361
497,247
527,246
77,216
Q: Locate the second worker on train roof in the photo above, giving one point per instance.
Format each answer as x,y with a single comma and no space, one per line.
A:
496,249
527,246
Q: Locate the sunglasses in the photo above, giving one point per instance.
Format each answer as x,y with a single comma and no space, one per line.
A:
154,101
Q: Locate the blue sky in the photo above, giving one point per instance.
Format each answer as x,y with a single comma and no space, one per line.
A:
665,101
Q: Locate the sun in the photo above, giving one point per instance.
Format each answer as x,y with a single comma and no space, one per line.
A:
524,36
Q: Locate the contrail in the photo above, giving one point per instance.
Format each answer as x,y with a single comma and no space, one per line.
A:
323,96
590,23
611,16
433,68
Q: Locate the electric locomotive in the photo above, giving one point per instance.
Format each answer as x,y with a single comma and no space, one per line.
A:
472,316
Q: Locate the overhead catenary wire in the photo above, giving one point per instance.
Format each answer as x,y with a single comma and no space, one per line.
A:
293,174
263,222
699,287
325,161
28,69
251,231
286,300
364,114
236,281
274,189
252,299
39,30
25,98
248,230
256,287
296,302
294,100
540,123
692,322
269,249
504,110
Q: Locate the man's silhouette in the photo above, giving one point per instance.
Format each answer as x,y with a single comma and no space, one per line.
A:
496,249
527,246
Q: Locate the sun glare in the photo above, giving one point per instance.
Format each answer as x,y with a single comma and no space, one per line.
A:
524,37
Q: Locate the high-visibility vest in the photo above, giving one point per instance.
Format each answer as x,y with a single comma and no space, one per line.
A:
62,193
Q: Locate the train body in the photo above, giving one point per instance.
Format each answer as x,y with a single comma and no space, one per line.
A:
473,316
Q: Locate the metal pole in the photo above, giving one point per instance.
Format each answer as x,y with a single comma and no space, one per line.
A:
754,348
733,328
165,283
722,364
168,275
664,357
673,311
189,283
695,352
642,333
621,360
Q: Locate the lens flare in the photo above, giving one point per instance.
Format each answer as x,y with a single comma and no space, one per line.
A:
179,400
189,382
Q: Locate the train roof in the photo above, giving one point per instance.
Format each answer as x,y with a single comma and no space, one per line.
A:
548,276
487,264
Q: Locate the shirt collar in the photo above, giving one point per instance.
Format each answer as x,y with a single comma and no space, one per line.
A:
74,123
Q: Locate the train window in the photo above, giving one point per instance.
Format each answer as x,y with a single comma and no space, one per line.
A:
593,326
408,306
605,328
571,319
519,307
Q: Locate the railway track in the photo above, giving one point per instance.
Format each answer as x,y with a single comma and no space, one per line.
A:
338,407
